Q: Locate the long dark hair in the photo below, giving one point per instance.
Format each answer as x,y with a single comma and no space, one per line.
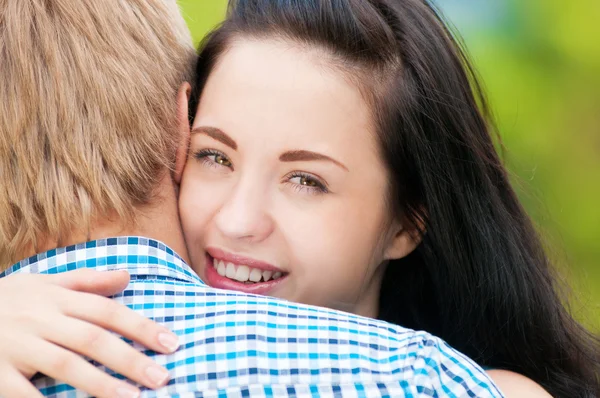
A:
480,279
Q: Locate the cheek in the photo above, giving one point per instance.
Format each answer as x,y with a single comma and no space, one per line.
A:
198,203
333,266
337,242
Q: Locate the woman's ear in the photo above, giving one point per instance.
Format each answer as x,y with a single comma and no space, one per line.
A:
183,100
402,241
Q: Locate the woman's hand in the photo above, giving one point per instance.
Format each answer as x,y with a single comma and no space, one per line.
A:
48,321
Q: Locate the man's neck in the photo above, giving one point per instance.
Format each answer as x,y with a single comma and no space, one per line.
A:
158,221
161,224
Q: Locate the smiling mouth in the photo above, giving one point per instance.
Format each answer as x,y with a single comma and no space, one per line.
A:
245,274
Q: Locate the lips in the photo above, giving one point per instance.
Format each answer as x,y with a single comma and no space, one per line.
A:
233,272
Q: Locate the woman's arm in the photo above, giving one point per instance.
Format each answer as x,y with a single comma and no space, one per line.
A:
514,385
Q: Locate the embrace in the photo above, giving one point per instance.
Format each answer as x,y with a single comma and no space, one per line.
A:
311,204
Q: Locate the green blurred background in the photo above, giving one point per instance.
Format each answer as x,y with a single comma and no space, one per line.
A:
540,64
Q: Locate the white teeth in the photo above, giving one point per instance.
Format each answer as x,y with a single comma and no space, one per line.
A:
255,275
230,271
221,269
267,275
242,273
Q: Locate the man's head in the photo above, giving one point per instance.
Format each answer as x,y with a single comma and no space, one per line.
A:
88,115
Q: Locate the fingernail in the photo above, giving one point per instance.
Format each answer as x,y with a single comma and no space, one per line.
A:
169,341
128,392
156,375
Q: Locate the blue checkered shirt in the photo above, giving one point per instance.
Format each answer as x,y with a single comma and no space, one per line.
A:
239,345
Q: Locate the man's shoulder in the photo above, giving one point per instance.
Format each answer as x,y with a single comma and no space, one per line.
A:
234,340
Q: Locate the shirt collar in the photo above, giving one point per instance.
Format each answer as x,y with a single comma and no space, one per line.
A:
137,255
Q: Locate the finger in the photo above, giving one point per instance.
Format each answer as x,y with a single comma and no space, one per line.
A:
14,385
109,350
104,283
61,364
111,315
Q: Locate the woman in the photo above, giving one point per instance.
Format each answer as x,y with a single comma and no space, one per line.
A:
341,156
340,159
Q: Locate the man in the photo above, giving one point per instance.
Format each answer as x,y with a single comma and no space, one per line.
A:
93,140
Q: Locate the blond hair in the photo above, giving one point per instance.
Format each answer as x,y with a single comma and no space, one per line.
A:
87,111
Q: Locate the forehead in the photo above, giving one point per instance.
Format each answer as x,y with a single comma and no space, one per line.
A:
262,86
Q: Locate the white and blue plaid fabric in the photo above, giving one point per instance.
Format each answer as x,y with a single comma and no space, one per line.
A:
239,345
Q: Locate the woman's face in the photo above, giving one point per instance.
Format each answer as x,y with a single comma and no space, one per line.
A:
284,192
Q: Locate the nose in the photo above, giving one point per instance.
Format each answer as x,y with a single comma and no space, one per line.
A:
244,214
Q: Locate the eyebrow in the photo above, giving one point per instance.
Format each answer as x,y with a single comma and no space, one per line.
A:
297,156
216,134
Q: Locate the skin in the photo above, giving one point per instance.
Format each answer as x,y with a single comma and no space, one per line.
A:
514,385
319,215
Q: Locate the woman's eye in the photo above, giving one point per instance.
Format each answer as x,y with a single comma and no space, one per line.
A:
213,158
308,183
222,160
